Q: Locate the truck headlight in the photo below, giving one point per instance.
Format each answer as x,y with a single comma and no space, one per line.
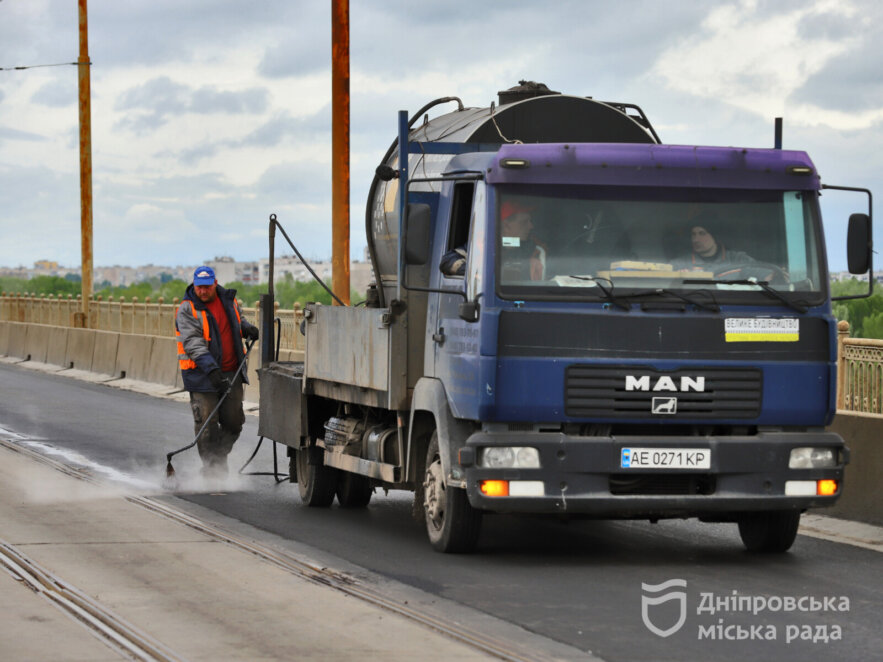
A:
510,457
812,458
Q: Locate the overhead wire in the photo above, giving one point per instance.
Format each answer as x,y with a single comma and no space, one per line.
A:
37,66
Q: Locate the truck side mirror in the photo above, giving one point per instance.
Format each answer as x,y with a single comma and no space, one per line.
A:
418,225
858,243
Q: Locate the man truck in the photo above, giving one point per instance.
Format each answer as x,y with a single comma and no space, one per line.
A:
584,360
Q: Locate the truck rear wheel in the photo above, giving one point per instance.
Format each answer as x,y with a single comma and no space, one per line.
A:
353,490
452,524
770,532
315,482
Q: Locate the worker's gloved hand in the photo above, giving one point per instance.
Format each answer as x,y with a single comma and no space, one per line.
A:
220,383
251,332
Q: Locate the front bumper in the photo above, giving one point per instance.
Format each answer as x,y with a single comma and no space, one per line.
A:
582,475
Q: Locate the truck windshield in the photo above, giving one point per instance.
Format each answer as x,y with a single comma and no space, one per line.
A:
591,242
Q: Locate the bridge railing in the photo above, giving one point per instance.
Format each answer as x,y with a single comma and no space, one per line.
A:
155,318
859,373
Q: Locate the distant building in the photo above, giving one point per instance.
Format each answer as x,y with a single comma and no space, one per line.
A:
45,265
361,273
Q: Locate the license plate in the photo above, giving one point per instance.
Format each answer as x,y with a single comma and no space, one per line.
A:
665,458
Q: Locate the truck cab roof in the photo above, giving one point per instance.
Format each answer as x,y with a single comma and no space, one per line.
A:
631,164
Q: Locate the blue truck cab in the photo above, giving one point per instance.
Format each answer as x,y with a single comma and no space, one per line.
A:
602,326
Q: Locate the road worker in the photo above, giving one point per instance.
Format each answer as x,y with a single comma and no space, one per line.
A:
210,327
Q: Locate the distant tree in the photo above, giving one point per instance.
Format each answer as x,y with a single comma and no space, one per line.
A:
13,285
872,326
172,289
53,285
863,315
141,290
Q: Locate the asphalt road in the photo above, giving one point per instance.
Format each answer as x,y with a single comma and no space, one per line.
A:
578,582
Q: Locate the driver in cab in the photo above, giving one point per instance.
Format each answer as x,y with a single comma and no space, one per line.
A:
524,256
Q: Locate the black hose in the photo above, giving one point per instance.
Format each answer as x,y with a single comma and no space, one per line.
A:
304,262
275,473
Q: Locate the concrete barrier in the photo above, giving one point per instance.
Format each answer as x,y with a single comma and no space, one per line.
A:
163,368
4,337
80,347
133,356
862,491
17,333
37,342
57,349
104,354
291,355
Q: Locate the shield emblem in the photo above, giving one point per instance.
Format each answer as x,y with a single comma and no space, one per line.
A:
657,597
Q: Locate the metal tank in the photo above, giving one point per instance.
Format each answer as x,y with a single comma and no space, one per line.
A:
527,113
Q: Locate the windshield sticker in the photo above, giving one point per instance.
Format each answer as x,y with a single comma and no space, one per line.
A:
511,241
750,329
575,281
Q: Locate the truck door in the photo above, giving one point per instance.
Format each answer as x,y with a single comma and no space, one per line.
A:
455,341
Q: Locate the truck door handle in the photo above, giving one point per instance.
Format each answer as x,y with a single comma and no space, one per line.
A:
439,337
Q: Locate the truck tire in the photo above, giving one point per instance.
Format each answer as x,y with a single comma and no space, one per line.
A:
769,532
452,524
315,482
353,490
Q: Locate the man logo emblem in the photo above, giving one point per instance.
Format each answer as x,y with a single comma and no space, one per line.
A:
647,601
664,406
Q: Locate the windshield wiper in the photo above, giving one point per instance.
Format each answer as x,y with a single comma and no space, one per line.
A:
762,284
607,291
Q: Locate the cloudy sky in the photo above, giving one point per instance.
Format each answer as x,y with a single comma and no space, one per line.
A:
208,115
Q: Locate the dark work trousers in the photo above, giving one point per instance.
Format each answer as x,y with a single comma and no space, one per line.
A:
217,440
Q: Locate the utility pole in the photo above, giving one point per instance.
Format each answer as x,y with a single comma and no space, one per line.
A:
83,64
340,149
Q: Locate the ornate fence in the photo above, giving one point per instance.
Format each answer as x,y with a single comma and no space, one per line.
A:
859,366
859,373
155,318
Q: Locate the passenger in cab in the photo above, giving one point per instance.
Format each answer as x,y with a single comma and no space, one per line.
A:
706,249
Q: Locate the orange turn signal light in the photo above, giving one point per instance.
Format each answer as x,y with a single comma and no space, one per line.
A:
495,488
826,487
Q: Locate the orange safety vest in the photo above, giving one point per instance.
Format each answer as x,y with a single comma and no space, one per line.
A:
185,361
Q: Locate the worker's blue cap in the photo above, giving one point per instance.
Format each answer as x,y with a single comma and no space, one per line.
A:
204,276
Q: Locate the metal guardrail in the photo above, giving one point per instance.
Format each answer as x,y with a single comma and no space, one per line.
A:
859,364
154,318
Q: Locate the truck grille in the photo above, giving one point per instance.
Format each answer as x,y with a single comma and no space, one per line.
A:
600,392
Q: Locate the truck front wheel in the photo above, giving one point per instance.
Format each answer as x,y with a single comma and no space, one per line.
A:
315,482
452,524
771,532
